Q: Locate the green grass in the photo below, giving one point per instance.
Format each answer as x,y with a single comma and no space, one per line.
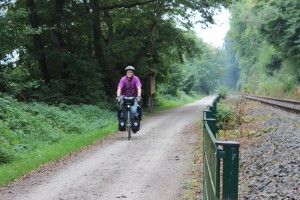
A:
166,102
46,153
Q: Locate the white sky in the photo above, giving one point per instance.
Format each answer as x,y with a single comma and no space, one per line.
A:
215,34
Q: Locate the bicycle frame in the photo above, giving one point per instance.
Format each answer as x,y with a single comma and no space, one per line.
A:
127,103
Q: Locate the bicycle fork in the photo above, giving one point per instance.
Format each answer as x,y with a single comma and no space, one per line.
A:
128,117
128,122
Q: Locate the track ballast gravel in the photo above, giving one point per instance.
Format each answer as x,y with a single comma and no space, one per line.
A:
270,169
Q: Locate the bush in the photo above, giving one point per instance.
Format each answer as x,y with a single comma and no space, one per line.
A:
225,115
272,86
7,153
223,91
247,89
24,126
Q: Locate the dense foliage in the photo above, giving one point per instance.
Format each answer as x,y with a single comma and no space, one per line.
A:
264,41
25,126
75,51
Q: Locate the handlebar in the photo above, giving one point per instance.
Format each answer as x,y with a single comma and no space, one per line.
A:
127,98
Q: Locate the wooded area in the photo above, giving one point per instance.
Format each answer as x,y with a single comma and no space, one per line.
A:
264,44
75,51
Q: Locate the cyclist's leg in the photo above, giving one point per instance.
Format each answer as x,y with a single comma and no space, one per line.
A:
121,118
140,112
134,108
122,109
136,121
123,112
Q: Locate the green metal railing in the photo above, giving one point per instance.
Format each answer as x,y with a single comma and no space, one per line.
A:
221,160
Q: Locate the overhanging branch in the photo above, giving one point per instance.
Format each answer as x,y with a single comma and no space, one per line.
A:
121,5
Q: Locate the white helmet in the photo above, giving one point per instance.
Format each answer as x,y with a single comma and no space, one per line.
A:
129,68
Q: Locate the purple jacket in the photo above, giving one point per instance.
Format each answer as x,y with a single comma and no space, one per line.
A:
129,87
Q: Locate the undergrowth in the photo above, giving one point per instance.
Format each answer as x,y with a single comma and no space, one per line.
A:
24,126
229,118
233,122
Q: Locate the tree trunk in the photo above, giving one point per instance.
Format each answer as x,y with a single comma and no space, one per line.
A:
108,80
97,33
110,27
57,38
37,41
89,33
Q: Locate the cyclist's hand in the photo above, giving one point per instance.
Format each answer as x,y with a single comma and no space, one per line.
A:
138,98
119,98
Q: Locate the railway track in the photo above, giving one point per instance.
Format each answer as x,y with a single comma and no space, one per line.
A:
282,103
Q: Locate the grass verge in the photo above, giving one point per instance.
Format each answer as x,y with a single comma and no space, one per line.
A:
45,154
165,102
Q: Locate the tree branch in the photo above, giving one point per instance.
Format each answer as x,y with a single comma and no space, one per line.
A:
120,5
148,42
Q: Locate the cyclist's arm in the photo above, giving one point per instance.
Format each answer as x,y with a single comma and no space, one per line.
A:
119,91
139,91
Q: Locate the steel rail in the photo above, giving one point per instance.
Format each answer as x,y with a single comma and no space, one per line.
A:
282,103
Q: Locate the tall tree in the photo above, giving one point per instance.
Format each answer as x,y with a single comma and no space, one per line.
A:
58,39
37,41
97,33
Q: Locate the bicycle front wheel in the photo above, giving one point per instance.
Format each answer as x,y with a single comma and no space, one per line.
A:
129,124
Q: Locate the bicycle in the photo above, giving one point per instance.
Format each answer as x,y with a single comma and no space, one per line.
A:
132,123
127,103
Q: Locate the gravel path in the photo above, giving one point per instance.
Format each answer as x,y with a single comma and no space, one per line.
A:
155,164
270,168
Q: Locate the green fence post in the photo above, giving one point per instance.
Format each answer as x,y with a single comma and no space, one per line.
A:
215,106
231,171
212,123
211,108
209,114
213,114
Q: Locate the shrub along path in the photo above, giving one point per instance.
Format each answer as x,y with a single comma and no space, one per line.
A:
32,134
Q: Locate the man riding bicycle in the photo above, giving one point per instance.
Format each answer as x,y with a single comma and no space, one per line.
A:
129,86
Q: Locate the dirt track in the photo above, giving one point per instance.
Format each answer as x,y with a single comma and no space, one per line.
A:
154,164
